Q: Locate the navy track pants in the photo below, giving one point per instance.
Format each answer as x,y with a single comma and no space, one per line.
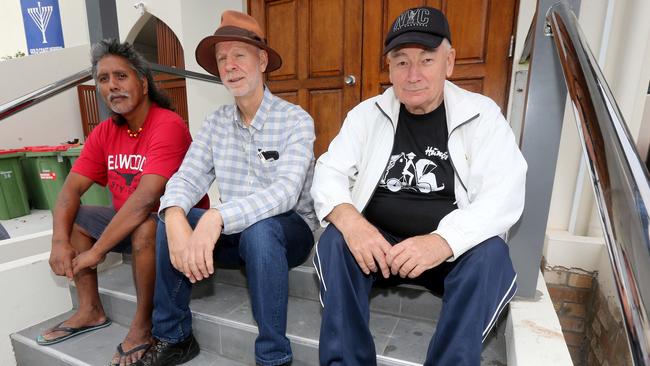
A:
475,289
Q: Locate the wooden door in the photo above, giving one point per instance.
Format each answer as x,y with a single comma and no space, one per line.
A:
320,44
481,34
170,53
323,41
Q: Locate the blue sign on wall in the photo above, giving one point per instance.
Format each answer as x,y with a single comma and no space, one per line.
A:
42,20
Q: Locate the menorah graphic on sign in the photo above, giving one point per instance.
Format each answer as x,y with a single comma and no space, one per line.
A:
41,16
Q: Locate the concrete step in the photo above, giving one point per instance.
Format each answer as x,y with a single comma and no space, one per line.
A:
409,301
94,348
223,324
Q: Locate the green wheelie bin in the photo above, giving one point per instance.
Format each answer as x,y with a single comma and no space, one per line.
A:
13,193
96,195
45,172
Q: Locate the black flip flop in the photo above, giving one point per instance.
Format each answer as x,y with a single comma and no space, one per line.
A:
120,350
71,332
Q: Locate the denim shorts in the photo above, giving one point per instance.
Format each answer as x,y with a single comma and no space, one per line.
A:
94,219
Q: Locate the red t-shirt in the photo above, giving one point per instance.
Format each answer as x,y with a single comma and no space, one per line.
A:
112,158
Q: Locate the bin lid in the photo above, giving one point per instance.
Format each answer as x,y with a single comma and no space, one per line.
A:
11,153
73,151
44,150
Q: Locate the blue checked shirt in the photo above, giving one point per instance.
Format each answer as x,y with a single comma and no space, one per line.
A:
261,171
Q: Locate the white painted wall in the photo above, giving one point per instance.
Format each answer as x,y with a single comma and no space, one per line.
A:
11,28
627,69
29,281
191,21
53,121
643,143
57,119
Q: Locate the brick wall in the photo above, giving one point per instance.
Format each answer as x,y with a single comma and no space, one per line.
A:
606,334
593,331
571,292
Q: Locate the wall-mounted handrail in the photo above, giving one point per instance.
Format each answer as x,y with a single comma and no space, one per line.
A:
48,91
619,176
44,93
184,73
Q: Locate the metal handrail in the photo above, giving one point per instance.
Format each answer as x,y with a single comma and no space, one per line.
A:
44,93
50,90
619,176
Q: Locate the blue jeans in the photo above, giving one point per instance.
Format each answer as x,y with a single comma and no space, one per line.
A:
475,289
267,249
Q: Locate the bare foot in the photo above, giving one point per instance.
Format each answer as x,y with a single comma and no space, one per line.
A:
79,319
134,345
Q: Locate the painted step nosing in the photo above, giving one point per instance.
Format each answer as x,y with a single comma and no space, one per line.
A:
54,353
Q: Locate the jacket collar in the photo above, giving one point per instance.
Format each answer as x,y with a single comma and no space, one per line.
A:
458,105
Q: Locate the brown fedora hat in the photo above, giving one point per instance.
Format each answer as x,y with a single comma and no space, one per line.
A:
235,26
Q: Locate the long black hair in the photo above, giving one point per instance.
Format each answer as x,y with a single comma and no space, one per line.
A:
138,63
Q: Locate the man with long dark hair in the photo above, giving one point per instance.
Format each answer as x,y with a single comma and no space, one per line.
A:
134,153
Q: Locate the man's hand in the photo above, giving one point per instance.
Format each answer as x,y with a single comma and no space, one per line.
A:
364,240
417,254
197,261
88,259
61,259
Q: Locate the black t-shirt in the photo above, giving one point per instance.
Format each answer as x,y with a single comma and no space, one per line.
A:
416,189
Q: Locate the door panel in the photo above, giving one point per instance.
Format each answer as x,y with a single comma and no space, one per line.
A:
322,41
480,31
281,33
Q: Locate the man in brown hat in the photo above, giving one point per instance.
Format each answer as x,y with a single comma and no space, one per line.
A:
260,153
436,178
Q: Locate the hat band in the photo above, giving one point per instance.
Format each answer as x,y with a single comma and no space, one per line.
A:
230,30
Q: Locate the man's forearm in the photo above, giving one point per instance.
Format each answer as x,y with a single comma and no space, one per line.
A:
131,215
173,214
345,216
65,211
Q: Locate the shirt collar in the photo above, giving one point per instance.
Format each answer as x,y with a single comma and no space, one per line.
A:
262,112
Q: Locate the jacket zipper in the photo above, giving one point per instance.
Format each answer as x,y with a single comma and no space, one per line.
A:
385,165
451,160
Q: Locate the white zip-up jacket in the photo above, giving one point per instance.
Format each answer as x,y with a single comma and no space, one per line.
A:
490,171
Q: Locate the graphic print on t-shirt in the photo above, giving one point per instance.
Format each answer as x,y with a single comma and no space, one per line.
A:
416,188
405,171
129,167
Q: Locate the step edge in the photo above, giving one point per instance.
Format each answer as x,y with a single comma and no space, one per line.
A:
215,319
224,321
396,362
75,361
61,356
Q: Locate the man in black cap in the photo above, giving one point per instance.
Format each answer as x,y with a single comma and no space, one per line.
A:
417,187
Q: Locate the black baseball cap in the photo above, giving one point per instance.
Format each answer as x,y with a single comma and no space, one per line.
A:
424,26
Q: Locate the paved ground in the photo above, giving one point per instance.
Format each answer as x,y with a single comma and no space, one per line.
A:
37,221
